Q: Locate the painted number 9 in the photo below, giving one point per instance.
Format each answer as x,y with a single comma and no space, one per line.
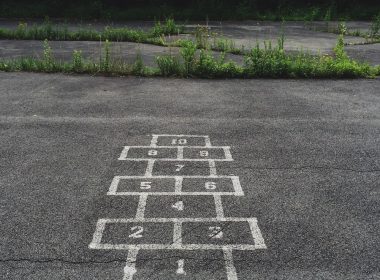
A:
210,185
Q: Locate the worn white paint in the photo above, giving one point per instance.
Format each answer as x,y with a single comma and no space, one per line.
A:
149,168
218,206
141,207
124,153
179,142
230,267
212,166
130,266
177,185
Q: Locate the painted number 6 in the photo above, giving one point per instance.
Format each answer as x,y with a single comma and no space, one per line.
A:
210,185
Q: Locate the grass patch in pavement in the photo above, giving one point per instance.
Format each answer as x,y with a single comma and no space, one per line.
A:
259,62
61,33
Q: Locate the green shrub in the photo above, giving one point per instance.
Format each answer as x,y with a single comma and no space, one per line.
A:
169,65
188,54
77,65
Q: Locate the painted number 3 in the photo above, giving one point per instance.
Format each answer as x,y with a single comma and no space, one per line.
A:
215,232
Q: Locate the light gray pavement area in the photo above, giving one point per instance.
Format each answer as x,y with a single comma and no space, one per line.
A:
307,153
298,36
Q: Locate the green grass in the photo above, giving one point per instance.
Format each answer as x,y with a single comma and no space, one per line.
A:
61,33
260,62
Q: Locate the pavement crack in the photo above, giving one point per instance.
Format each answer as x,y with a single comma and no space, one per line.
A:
41,261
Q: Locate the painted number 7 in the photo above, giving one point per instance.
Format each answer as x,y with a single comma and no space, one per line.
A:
179,167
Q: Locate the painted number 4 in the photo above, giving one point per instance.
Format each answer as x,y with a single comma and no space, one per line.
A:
178,206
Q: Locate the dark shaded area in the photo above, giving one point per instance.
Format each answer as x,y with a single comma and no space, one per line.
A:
192,9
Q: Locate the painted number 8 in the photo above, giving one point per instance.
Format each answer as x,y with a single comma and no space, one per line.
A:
210,185
152,152
203,153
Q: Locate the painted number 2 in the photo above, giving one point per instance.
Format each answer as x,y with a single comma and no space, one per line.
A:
136,232
179,142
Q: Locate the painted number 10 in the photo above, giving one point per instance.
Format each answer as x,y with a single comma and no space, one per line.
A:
179,142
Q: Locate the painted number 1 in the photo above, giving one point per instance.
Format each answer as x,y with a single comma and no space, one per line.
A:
181,267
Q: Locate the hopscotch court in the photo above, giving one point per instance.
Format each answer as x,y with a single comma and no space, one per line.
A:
180,169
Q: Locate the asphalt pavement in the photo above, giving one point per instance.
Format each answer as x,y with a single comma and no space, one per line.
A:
306,154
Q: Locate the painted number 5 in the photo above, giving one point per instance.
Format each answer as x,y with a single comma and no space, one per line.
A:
145,185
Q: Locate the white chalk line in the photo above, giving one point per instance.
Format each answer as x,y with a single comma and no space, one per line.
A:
178,185
141,206
177,233
230,267
180,153
123,177
212,166
174,193
170,246
218,206
176,159
178,146
153,142
130,266
179,135
124,153
149,168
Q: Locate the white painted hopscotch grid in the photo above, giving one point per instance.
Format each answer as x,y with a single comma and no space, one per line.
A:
181,150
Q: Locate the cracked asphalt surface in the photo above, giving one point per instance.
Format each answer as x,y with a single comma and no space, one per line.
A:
307,153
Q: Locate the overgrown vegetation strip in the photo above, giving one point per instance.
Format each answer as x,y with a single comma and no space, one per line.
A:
61,33
266,62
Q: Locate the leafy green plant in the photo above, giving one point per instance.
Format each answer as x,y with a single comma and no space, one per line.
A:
77,61
375,27
188,54
48,60
106,61
169,65
138,66
201,36
342,28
